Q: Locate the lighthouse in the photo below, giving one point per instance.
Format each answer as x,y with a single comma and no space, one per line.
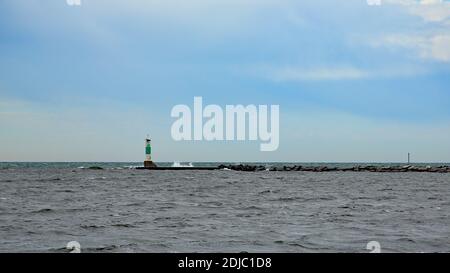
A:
148,163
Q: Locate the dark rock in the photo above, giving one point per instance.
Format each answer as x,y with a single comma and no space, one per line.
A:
149,164
253,168
433,170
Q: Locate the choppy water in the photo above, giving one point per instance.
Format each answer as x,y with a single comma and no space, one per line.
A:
44,206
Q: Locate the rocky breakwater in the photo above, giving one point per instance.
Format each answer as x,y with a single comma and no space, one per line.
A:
299,168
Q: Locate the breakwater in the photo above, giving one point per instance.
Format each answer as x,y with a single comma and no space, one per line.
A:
299,168
178,168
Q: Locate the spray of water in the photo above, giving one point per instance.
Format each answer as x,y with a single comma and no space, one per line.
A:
178,164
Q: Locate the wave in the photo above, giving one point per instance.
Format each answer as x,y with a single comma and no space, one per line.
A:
45,210
132,166
178,164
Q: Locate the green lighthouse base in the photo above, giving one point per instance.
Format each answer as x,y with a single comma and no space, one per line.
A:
149,164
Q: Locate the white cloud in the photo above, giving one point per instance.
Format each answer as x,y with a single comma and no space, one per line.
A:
332,73
435,47
432,42
316,74
440,47
428,10
432,12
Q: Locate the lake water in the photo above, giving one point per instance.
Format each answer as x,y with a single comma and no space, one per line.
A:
43,206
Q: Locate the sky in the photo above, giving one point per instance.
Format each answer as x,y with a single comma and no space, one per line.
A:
354,82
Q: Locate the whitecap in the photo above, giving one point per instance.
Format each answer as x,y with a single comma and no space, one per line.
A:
178,164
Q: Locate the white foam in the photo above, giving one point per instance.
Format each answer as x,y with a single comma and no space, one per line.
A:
178,164
133,166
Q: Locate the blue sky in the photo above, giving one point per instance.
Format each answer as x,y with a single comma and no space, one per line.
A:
354,82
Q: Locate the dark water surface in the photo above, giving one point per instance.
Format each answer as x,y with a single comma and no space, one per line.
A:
126,210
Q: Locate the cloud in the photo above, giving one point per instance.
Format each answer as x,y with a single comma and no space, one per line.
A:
428,10
330,73
434,11
432,40
440,47
435,47
316,74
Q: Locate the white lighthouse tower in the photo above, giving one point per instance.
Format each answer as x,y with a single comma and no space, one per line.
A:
148,163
